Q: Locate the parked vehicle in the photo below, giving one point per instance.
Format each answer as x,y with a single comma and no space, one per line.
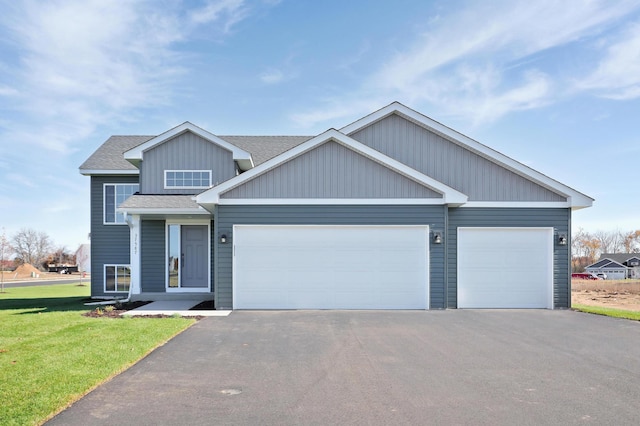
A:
601,275
584,276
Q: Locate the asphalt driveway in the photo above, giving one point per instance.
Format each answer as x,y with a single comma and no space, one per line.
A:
481,367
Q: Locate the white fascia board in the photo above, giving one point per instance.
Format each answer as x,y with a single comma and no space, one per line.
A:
331,201
577,199
167,211
450,195
518,204
87,172
240,155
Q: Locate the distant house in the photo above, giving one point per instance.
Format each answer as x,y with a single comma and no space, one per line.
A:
394,211
617,266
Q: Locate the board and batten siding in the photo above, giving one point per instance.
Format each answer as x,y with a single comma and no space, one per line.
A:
153,252
109,243
331,170
184,152
228,215
559,219
450,163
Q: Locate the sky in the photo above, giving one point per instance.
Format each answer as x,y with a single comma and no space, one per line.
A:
554,85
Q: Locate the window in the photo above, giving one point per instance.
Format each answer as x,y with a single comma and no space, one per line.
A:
114,195
117,278
187,179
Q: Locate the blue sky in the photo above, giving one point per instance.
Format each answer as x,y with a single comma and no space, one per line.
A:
555,85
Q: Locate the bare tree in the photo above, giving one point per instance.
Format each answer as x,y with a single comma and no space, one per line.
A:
631,241
610,241
585,249
31,246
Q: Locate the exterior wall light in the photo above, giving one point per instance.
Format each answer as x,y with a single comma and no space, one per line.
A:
437,237
562,239
223,238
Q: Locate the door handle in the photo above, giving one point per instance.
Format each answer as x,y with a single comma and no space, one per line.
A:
182,260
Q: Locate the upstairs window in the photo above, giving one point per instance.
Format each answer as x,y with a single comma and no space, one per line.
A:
187,179
114,195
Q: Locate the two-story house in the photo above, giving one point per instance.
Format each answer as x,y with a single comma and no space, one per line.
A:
393,211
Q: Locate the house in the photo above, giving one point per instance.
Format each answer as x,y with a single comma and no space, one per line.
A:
617,266
393,211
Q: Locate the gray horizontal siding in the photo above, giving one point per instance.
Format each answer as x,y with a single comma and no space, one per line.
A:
227,216
153,256
477,217
331,171
450,163
109,243
184,152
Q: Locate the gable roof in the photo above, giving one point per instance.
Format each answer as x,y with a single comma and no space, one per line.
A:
109,157
136,154
449,195
619,257
576,200
605,264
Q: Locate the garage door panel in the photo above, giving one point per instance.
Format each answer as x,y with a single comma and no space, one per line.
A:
331,267
505,267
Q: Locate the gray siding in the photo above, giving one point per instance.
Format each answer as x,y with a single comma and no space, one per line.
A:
449,163
152,234
227,216
331,171
477,217
184,152
109,243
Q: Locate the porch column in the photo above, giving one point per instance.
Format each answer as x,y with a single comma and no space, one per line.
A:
135,241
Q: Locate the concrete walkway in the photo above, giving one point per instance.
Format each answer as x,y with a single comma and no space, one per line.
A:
172,307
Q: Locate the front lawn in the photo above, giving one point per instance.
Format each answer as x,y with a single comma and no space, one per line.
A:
51,355
610,312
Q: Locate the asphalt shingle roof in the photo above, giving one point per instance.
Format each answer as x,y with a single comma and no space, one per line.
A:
138,201
110,155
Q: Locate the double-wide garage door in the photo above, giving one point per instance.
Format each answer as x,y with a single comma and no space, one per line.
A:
330,267
505,267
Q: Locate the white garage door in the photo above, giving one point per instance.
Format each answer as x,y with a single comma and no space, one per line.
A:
330,267
505,267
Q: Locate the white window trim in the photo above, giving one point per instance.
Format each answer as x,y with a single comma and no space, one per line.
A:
104,277
187,187
104,202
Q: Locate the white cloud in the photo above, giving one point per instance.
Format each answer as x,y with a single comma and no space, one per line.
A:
272,76
617,76
225,12
479,62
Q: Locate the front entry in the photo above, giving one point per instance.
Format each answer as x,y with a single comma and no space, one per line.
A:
188,260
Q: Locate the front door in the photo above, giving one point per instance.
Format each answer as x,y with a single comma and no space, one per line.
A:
188,257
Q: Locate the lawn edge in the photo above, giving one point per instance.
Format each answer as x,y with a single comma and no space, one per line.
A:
124,368
593,310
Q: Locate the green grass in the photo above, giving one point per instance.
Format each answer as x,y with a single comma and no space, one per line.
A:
610,312
51,355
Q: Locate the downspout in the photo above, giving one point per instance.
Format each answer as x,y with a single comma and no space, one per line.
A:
133,252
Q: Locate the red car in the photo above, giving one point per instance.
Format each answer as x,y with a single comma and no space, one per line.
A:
584,276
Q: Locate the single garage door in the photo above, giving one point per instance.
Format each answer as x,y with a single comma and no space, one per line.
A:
505,268
330,267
